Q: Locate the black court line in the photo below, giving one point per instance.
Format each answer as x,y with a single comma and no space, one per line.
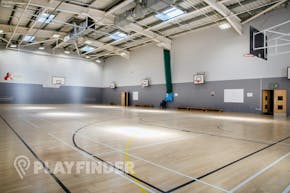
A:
229,164
203,133
36,156
112,165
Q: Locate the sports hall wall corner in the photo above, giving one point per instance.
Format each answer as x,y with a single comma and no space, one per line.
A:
221,54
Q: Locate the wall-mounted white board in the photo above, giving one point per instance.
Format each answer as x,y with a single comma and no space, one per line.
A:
135,96
234,95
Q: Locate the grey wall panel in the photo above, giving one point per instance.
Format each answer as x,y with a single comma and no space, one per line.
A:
152,95
200,95
33,93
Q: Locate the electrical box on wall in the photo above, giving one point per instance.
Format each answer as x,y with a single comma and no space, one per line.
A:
199,78
145,83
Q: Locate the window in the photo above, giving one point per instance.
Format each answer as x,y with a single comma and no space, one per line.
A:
46,18
118,35
169,14
87,48
28,38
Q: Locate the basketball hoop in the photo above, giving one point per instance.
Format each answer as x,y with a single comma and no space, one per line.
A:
249,55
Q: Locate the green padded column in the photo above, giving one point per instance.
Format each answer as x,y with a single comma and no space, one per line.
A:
167,66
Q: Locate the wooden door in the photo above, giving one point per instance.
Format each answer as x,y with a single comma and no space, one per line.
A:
280,101
123,99
267,101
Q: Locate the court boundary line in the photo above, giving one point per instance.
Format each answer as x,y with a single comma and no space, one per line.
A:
145,146
210,134
259,173
111,165
229,164
91,157
57,180
158,165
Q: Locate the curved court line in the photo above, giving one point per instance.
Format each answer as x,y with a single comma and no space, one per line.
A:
157,165
112,165
259,173
229,164
145,146
210,134
91,157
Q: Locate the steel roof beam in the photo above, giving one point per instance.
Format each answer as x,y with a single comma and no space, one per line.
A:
234,20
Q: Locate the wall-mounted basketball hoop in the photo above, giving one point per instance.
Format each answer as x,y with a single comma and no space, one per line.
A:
272,41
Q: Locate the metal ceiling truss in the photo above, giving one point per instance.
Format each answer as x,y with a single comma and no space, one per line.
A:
144,30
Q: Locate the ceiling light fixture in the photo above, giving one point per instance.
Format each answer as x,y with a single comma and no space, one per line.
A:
87,57
98,61
1,31
41,48
88,42
67,52
13,46
123,54
224,26
55,35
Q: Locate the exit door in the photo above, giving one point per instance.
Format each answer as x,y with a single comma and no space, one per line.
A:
268,101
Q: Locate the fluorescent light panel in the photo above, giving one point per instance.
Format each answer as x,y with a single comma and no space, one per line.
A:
118,35
224,26
87,48
28,38
169,14
55,35
46,18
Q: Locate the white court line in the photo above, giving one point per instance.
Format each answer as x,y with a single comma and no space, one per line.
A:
145,146
287,190
259,173
30,123
157,165
105,165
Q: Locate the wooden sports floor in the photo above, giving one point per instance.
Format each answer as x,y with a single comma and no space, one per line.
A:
180,152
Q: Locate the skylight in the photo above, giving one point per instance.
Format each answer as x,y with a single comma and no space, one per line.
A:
46,18
28,38
87,48
118,35
169,14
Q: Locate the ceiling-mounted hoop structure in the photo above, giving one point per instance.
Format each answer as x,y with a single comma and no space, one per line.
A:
276,39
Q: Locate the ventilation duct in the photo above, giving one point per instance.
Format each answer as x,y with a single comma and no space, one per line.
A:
142,8
82,29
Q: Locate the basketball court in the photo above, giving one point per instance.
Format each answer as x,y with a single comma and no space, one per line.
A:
150,96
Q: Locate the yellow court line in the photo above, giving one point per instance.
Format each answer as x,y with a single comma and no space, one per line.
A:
130,169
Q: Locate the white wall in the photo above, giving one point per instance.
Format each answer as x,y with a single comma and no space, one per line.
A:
218,53
37,69
146,62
